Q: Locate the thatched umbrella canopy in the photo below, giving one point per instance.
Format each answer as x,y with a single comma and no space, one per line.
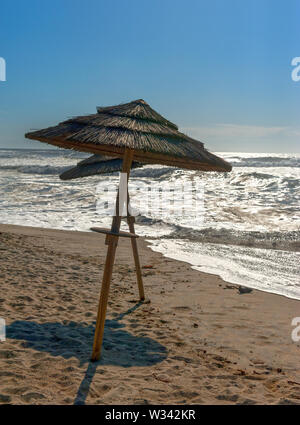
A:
95,165
135,133
133,125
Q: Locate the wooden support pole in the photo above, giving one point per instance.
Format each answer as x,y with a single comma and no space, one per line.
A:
112,242
130,221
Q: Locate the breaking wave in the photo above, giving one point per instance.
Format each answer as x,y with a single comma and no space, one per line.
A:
287,241
265,161
35,169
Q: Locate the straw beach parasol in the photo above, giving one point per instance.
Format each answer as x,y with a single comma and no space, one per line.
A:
133,132
136,126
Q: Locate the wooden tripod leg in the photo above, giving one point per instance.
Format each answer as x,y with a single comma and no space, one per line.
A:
99,331
110,258
131,220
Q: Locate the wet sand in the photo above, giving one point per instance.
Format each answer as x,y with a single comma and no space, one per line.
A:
198,341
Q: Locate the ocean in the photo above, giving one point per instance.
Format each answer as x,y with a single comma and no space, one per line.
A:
249,232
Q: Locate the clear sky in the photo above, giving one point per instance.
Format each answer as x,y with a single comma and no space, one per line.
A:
220,69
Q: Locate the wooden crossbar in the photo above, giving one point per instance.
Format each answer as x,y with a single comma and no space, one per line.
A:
121,233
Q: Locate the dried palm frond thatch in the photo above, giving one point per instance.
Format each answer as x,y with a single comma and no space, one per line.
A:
136,126
95,165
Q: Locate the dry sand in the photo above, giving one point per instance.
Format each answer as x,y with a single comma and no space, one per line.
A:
198,341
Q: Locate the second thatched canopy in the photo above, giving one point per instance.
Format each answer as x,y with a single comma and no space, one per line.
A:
95,165
136,126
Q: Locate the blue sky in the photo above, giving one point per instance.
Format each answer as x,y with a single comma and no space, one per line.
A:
220,69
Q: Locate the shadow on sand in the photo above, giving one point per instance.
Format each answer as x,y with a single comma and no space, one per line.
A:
120,348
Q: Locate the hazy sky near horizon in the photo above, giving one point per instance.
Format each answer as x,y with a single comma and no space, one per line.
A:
220,69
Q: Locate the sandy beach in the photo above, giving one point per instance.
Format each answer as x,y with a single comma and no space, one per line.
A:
198,340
